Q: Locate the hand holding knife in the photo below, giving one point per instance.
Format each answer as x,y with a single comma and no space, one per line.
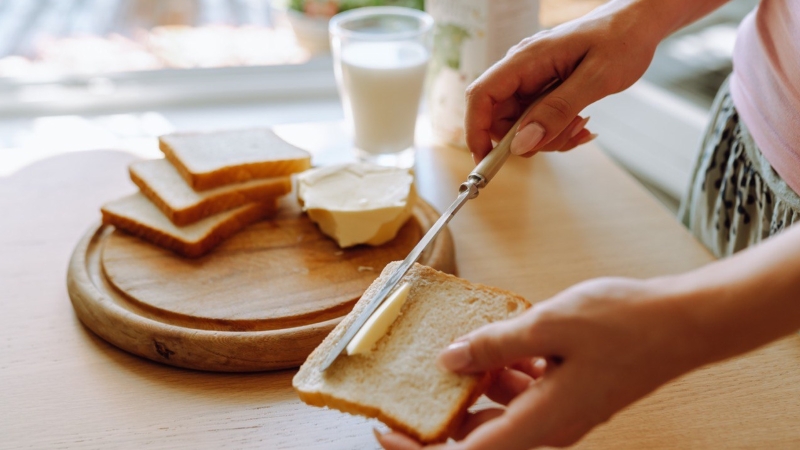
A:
483,173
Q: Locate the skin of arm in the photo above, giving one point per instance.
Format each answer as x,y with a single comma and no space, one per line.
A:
599,54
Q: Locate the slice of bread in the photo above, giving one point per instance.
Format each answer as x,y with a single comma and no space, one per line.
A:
210,160
160,182
139,216
398,382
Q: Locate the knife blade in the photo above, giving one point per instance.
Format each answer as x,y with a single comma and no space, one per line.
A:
483,173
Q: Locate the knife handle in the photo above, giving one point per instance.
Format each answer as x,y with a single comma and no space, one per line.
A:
491,164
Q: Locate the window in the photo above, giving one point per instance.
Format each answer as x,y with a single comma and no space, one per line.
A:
78,55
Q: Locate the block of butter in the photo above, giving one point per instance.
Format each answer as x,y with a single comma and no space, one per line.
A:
357,203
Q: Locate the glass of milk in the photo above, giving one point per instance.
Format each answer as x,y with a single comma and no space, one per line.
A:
380,59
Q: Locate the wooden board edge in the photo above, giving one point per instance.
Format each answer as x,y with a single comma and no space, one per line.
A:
181,347
208,350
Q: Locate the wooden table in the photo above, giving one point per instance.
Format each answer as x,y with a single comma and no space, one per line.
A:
541,226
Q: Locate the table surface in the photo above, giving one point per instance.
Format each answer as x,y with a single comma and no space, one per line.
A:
541,226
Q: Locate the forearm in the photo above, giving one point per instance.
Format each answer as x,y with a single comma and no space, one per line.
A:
738,304
659,18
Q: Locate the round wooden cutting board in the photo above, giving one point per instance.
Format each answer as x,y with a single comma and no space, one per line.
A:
262,300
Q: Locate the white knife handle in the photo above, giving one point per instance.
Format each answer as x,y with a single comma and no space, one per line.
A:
491,164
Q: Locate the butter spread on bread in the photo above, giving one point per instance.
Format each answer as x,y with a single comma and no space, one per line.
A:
379,322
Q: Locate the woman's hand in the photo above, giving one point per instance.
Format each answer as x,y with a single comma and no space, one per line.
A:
610,341
600,54
606,343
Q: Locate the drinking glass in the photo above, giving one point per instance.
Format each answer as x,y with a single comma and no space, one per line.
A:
380,57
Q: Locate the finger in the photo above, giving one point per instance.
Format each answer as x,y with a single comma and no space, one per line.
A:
505,116
508,384
553,113
577,125
525,424
539,368
515,74
396,441
533,367
496,345
583,137
560,142
507,431
476,419
478,123
551,412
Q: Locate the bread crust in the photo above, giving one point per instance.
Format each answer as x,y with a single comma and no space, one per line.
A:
248,215
202,181
266,193
324,400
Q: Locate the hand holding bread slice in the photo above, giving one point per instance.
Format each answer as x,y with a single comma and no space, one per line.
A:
398,381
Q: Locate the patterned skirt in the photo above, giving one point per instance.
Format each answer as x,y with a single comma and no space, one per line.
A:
735,198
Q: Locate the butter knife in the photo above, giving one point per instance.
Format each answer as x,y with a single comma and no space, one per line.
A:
476,180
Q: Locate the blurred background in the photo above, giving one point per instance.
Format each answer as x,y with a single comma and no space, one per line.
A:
87,74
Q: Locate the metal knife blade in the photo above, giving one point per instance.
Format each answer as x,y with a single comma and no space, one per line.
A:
394,279
477,179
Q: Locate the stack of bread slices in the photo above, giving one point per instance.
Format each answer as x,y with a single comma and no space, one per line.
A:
208,187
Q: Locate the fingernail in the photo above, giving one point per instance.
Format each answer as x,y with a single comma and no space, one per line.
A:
456,356
579,126
588,138
527,138
377,434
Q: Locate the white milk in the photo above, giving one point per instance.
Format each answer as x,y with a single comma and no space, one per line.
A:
382,84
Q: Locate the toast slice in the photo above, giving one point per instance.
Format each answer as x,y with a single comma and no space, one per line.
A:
139,216
210,160
160,182
398,382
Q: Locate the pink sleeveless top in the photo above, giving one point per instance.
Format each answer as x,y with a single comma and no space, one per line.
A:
765,85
